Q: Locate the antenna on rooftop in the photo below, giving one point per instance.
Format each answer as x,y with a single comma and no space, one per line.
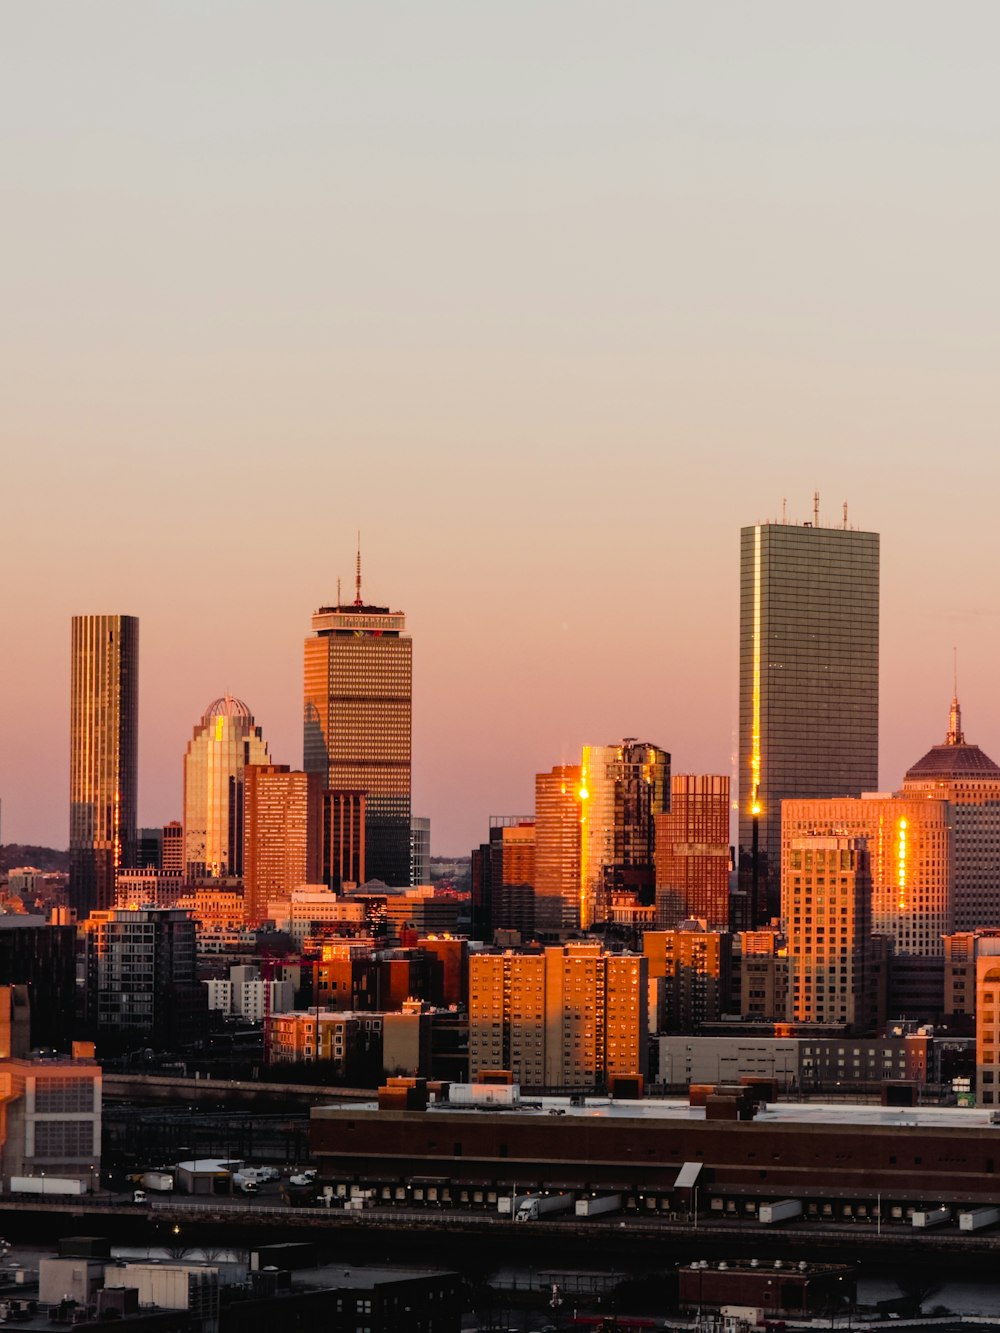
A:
815,509
784,509
338,594
845,515
358,600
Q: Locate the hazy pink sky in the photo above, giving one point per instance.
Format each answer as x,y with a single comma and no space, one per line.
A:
547,299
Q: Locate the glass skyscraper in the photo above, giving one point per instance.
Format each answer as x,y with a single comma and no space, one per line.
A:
224,742
358,688
809,624
104,755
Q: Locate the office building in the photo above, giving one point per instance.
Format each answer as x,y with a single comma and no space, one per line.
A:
172,853
104,756
558,812
420,850
909,844
809,654
343,839
961,774
763,973
224,742
826,905
149,888
692,852
282,817
358,687
623,788
140,985
567,1017
41,957
503,877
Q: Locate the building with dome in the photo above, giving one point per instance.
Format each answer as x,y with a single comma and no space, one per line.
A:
224,742
969,780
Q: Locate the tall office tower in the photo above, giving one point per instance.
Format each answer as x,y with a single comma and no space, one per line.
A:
826,901
558,812
969,780
224,742
910,859
358,713
626,787
692,853
343,839
104,756
420,850
809,617
569,1017
282,818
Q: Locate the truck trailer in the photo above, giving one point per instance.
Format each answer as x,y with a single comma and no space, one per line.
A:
975,1219
46,1185
931,1217
161,1181
542,1205
508,1204
603,1203
781,1211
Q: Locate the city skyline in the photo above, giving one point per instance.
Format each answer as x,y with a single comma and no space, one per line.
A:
551,305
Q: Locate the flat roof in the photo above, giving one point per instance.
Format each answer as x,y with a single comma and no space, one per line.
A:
677,1109
358,1275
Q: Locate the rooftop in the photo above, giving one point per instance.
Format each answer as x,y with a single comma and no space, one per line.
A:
677,1109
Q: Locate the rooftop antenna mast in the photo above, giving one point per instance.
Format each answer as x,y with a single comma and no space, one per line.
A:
358,600
784,509
815,509
338,594
845,515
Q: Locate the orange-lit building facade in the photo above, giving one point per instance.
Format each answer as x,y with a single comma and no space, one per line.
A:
695,968
558,811
104,754
358,695
763,976
566,1017
692,852
826,906
910,848
282,834
224,742
988,1022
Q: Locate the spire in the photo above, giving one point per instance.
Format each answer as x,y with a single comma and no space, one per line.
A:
955,736
358,599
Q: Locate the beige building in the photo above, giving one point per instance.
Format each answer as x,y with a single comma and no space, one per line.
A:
568,1017
826,906
909,843
224,742
969,780
282,830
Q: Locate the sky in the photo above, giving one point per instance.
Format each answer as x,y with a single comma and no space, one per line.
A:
547,300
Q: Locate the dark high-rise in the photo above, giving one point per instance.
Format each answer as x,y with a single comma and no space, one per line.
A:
358,688
809,625
103,768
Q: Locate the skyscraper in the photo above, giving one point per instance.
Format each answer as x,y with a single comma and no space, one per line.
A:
809,620
969,780
104,754
358,692
692,853
282,834
623,788
557,848
224,742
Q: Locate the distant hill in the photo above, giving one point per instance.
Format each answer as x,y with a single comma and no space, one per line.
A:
24,854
